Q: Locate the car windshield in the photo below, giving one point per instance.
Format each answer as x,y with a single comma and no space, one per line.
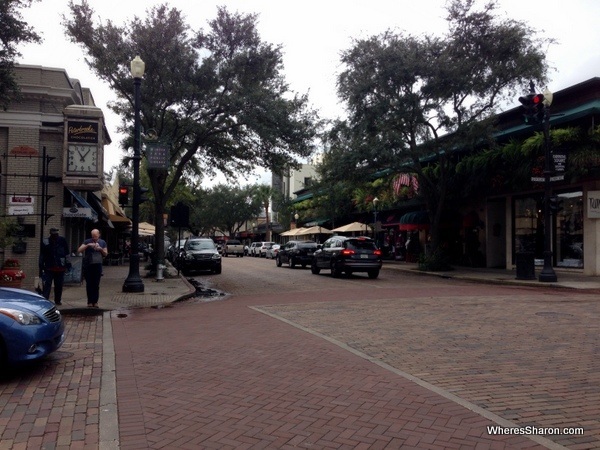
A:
307,245
201,245
356,244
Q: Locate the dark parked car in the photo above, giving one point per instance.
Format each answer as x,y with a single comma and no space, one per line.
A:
30,327
296,253
342,254
199,254
174,249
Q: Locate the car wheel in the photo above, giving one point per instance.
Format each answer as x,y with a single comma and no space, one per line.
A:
278,261
218,270
373,274
314,269
336,270
291,263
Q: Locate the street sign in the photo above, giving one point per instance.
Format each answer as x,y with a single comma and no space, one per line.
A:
157,156
559,158
542,179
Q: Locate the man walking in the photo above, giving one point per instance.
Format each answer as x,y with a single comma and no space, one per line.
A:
53,263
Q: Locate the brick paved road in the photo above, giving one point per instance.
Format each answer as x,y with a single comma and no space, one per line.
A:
297,361
222,375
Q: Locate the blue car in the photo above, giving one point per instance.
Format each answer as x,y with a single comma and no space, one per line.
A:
30,326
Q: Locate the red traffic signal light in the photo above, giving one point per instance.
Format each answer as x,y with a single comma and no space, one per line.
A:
123,195
533,107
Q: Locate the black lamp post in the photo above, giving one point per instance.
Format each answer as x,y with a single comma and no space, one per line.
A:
375,201
134,282
547,274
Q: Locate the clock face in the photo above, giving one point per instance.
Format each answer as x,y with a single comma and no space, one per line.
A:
82,158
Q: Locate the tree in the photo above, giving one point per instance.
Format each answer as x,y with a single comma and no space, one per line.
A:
263,194
224,208
414,101
216,98
13,31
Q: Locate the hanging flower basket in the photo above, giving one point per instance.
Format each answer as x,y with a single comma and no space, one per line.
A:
11,274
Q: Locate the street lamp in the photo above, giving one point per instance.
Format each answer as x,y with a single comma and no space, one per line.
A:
547,274
134,282
375,201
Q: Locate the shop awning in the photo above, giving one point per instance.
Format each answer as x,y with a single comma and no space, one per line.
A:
80,208
115,214
413,221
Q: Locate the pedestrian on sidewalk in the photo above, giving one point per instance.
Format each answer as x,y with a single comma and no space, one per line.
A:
94,251
53,264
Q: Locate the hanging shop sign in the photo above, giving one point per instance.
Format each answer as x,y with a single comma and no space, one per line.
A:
20,210
21,200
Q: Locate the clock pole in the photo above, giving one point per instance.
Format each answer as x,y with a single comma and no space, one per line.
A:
134,282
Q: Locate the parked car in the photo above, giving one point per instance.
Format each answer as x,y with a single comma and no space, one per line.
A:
342,254
262,251
272,251
174,249
199,254
220,243
254,249
30,327
233,247
296,253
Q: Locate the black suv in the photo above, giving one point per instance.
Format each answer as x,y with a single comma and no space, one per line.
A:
296,252
342,254
199,254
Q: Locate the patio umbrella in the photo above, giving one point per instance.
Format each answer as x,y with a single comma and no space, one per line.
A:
314,230
292,232
352,227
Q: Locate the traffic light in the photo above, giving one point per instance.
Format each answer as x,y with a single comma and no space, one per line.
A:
555,204
143,197
533,107
123,195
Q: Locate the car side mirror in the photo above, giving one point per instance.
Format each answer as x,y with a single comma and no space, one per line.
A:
319,246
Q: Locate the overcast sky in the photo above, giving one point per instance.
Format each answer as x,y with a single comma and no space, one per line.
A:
314,32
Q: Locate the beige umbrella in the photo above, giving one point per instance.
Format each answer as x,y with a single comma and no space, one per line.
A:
314,230
292,232
352,227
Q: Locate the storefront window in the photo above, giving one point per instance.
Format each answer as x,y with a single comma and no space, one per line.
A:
569,230
529,226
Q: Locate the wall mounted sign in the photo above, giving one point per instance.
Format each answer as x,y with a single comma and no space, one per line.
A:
73,211
593,205
80,131
24,150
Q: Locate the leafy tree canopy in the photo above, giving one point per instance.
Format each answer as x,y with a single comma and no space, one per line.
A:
414,100
13,31
216,97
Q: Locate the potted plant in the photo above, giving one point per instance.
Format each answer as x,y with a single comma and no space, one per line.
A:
11,274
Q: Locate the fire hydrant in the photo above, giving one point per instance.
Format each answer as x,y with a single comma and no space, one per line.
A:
159,272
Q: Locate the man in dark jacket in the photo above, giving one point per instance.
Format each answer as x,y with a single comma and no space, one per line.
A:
53,262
